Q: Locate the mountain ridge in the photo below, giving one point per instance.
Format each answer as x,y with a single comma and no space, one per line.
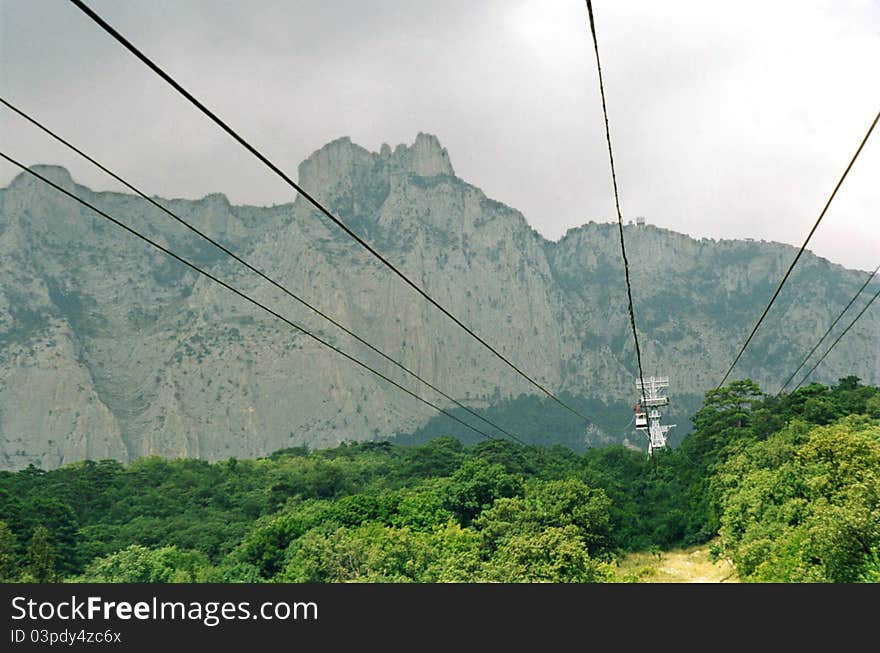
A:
148,359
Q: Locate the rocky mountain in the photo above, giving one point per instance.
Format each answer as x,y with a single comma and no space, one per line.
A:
108,349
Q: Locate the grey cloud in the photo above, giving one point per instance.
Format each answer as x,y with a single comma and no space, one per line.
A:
729,120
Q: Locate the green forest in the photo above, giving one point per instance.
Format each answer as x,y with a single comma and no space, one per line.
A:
787,489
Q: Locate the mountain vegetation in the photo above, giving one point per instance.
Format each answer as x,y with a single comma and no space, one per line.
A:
786,488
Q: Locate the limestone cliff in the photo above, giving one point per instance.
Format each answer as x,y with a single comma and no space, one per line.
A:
109,349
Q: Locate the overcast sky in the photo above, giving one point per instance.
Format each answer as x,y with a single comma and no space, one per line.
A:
728,119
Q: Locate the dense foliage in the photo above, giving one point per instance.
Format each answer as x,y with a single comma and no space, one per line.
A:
539,420
804,505
791,486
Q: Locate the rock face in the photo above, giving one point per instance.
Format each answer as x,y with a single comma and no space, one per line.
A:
108,349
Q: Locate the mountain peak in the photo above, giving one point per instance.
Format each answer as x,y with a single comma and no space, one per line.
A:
426,157
328,166
216,199
329,171
56,174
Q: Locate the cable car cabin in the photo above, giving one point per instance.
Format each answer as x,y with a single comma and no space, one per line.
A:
641,418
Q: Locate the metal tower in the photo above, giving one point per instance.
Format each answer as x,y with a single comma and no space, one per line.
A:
648,416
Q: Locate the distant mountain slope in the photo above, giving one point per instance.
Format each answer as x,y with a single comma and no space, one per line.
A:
108,349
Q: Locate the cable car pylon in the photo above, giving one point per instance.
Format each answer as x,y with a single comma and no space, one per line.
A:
648,413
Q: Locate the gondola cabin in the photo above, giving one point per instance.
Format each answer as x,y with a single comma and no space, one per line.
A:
641,418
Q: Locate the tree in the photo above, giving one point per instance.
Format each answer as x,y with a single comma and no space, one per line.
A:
60,522
41,557
555,555
872,568
804,509
266,545
820,410
356,509
9,570
851,382
231,571
422,507
439,457
475,485
728,407
368,553
457,555
872,406
550,504
139,564
722,423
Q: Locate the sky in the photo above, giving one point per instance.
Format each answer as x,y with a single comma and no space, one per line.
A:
729,120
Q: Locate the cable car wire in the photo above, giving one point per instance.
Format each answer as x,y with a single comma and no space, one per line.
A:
243,295
800,251
828,331
632,317
250,267
312,200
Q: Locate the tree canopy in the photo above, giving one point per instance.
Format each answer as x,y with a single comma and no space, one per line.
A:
789,486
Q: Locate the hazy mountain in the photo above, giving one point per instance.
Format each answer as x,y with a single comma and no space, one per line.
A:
109,349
